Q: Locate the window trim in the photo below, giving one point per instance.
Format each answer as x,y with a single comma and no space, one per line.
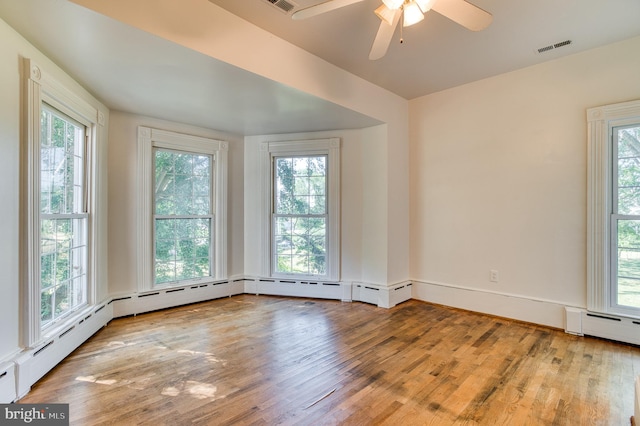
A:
329,147
39,87
148,139
601,122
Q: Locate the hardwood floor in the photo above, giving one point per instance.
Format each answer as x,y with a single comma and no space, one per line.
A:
259,360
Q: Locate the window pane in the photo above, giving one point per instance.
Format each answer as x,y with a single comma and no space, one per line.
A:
628,272
46,306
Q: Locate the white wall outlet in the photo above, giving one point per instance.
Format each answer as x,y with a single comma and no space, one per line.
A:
493,276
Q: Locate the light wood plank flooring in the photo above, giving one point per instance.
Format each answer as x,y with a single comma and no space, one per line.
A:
259,360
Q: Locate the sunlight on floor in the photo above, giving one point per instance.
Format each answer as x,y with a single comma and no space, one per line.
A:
198,390
92,379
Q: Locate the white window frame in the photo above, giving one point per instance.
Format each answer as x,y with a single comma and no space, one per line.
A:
600,274
329,147
41,87
148,139
79,217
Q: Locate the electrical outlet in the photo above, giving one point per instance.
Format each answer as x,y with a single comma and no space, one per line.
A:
493,276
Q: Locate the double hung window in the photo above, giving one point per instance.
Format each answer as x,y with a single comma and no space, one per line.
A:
613,219
300,215
182,216
625,218
63,215
182,211
62,131
301,200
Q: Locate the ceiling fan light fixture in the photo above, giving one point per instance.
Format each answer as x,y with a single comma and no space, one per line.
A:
393,4
425,5
412,14
385,14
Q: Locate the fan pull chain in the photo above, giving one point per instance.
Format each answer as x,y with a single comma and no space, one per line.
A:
401,27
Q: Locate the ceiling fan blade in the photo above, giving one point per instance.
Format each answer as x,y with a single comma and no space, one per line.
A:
464,13
323,7
383,37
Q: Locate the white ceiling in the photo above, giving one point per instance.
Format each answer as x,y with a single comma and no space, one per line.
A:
133,71
437,53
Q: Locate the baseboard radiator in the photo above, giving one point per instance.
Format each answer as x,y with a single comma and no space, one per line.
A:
382,296
34,363
171,297
606,326
298,288
7,383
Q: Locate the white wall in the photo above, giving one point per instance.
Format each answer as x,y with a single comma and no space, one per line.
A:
123,196
12,48
498,181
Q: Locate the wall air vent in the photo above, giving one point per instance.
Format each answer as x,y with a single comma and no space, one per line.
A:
285,6
553,46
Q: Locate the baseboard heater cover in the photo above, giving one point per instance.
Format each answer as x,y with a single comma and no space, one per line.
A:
294,288
35,363
381,295
612,327
7,383
173,297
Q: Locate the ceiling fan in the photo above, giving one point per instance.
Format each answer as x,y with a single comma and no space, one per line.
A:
411,12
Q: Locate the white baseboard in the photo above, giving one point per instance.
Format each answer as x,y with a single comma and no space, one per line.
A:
543,312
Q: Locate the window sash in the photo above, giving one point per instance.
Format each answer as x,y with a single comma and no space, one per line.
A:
278,255
65,266
181,245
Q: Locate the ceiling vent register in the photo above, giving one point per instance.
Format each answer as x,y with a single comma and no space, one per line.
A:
553,46
284,6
